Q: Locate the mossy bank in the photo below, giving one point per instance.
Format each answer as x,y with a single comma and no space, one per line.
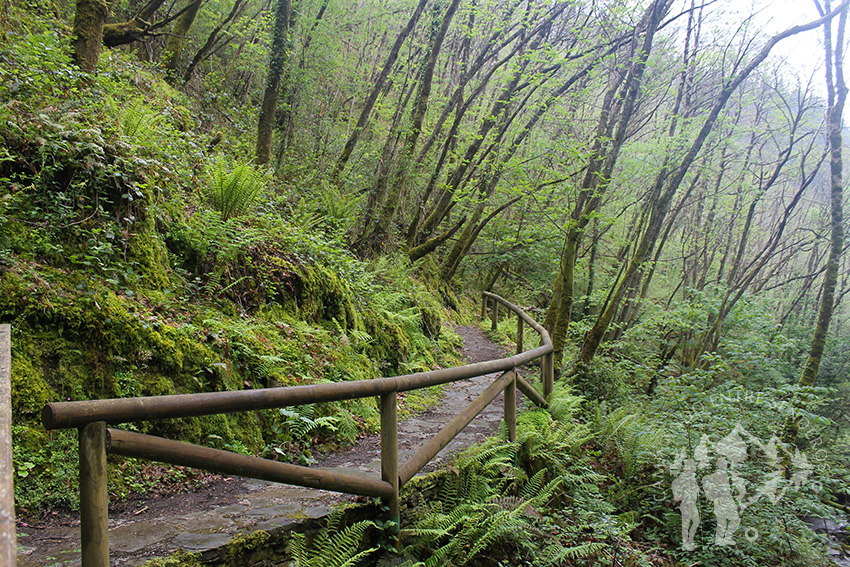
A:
124,273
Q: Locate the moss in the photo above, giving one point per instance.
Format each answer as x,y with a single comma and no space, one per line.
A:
125,287
327,296
243,543
179,558
147,251
390,345
154,385
30,391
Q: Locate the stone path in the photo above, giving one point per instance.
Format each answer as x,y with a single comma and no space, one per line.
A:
197,523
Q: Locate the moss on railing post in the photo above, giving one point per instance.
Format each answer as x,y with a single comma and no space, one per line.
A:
494,316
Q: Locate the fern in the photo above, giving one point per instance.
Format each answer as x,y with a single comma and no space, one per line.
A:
629,435
545,512
558,554
233,187
135,119
333,547
301,420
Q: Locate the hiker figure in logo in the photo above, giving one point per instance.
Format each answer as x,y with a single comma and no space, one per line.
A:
719,491
686,489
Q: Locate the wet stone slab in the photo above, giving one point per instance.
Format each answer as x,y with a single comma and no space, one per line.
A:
201,542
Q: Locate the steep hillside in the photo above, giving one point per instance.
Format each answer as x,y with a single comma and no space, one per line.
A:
142,254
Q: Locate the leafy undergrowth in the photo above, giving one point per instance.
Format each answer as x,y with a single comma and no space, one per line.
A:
141,254
622,509
537,501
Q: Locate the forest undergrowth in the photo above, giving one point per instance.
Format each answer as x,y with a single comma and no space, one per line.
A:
140,259
145,249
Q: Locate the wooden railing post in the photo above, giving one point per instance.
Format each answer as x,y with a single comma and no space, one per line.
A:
94,501
519,347
8,538
510,407
494,313
547,365
389,453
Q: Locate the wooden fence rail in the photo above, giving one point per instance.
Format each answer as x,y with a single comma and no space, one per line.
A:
97,439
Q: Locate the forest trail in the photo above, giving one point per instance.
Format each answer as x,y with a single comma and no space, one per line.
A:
203,521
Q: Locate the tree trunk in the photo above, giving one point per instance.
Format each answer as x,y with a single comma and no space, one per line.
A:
209,45
560,310
837,94
276,63
666,184
473,229
88,33
174,46
432,244
377,229
376,90
615,118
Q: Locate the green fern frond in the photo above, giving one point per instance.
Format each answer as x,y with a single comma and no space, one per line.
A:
558,554
338,551
137,119
298,550
342,549
233,187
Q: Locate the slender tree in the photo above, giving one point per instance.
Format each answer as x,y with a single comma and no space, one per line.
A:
377,87
379,218
277,61
616,119
173,51
667,183
836,97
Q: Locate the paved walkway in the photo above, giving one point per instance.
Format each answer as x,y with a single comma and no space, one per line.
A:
252,505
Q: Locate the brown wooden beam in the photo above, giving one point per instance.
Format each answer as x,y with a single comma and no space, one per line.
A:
178,453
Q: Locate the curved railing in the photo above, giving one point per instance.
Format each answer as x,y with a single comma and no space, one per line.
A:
97,439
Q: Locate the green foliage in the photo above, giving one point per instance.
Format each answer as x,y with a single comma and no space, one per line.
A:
639,444
119,282
300,427
133,261
137,120
233,187
177,559
335,545
538,500
46,467
477,509
37,65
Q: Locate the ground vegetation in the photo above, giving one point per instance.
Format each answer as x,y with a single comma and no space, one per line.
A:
232,194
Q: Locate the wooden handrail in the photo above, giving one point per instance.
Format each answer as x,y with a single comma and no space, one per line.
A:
96,439
436,444
64,415
139,446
